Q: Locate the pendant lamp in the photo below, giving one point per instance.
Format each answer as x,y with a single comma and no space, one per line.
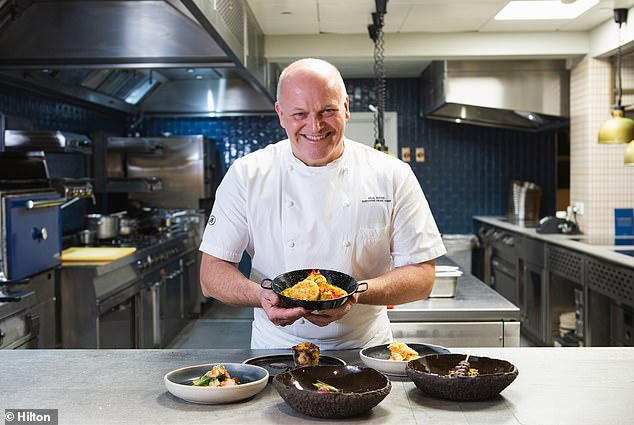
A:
617,129
629,155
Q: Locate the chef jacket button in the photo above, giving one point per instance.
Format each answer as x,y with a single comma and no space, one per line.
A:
346,203
291,244
346,244
290,203
302,321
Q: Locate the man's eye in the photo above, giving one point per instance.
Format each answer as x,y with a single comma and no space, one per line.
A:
299,114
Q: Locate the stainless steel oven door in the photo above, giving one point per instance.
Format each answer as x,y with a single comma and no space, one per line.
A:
503,278
31,233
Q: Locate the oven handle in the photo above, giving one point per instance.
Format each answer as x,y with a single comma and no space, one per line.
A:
31,204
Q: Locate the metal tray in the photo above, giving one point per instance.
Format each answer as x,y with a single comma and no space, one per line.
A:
445,284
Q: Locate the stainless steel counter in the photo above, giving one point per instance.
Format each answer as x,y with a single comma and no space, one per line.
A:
580,386
476,316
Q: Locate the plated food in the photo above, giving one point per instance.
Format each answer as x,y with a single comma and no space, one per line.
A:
332,392
306,354
210,383
339,287
384,357
453,377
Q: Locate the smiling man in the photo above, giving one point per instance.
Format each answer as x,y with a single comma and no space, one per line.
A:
319,201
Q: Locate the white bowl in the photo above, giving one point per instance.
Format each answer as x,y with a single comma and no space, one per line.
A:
378,357
252,380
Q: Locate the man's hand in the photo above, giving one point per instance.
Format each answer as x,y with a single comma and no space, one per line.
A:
322,318
278,315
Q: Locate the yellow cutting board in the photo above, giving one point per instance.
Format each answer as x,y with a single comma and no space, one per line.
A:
94,254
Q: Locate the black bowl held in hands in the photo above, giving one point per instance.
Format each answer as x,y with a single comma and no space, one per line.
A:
289,279
431,375
358,389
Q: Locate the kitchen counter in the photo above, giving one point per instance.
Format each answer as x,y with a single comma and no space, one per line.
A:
566,241
555,386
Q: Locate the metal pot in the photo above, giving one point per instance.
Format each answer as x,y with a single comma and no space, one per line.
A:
105,226
87,237
127,226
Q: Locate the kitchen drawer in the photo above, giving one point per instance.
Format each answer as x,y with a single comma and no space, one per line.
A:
459,334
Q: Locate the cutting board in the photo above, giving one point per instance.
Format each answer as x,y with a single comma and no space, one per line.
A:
94,254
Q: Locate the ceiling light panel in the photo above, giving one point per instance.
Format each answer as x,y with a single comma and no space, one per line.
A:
544,10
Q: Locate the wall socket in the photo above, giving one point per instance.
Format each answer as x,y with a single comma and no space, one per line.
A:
579,207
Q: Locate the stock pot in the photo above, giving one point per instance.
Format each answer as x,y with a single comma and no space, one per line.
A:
105,226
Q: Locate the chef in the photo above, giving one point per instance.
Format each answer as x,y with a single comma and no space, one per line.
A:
318,200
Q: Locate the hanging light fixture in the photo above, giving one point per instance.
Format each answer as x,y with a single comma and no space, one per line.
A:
629,155
617,129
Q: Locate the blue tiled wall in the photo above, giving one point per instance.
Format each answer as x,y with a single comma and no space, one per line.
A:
467,170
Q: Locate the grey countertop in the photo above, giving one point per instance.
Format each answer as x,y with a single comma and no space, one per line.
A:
566,241
555,386
474,301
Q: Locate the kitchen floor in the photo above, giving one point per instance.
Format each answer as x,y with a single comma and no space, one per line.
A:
219,326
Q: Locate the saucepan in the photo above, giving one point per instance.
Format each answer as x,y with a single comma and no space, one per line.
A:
286,280
105,226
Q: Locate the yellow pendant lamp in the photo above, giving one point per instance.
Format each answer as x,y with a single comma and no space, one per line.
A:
629,155
617,129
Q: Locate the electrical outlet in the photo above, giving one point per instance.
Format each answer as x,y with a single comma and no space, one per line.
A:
406,154
578,206
420,154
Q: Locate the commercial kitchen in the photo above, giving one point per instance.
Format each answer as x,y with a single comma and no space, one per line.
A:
119,119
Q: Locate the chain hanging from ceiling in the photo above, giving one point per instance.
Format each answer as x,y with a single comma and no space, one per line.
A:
380,91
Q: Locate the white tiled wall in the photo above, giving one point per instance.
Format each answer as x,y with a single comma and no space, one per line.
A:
598,177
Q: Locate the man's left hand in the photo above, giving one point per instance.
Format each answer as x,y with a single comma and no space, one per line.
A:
322,318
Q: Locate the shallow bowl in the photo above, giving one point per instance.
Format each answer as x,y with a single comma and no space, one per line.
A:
252,380
378,357
361,388
286,280
430,374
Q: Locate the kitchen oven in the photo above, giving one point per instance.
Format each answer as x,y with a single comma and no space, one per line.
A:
500,271
30,240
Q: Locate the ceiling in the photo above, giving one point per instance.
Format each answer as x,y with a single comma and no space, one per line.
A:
340,22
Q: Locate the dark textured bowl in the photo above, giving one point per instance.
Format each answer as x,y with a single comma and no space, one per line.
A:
429,373
286,280
362,389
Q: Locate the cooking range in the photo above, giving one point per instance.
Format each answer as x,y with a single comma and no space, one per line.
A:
140,301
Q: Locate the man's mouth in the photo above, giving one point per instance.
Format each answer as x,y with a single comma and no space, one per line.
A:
315,138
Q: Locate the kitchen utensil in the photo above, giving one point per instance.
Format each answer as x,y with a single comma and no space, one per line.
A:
87,237
431,375
105,226
253,379
362,388
278,363
378,357
286,280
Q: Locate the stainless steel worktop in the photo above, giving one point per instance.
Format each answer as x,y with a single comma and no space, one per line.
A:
474,301
566,241
580,386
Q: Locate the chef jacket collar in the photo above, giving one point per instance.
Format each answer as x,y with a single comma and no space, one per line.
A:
296,163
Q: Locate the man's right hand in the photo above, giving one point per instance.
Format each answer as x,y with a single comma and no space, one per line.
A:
280,316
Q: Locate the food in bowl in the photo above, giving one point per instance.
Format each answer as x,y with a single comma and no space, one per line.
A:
360,389
306,354
463,368
323,387
402,352
431,376
314,287
216,377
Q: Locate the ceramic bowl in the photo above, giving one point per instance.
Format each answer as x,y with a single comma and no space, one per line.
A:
378,357
252,380
361,388
286,280
430,374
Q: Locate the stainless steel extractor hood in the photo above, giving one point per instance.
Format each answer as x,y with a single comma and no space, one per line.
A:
121,53
530,95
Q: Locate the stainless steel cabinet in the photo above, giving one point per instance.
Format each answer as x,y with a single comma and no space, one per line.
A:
532,288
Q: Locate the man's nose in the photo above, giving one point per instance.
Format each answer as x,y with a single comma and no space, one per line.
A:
315,122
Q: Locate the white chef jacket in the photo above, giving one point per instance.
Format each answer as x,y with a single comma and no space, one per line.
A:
362,215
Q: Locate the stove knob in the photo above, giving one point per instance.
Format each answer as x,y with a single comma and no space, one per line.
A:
40,234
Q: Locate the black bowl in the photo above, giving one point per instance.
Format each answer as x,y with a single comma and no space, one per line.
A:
430,374
286,280
362,389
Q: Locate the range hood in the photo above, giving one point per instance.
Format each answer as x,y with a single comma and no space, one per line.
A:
529,95
139,56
